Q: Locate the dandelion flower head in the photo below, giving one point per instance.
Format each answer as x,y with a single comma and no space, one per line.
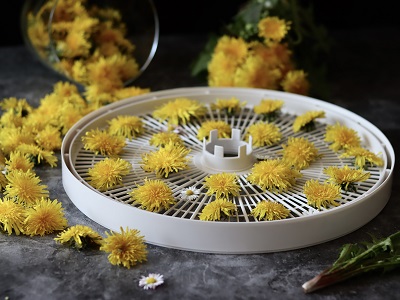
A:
321,194
273,28
341,137
224,129
80,237
229,106
213,210
346,176
100,141
299,152
12,216
263,134
362,156
295,81
108,173
163,138
306,120
223,185
269,108
126,126
269,210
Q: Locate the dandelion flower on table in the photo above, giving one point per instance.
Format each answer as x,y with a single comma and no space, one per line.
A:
49,138
363,157
126,126
126,248
306,121
269,210
20,106
12,137
269,109
190,193
179,111
341,137
12,216
25,187
19,161
38,155
274,175
263,134
216,209
163,138
224,129
346,177
321,194
80,237
273,28
153,195
151,281
299,152
100,141
44,217
169,159
229,106
295,81
223,185
108,173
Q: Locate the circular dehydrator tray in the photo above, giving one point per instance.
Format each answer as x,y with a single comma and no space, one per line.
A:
179,227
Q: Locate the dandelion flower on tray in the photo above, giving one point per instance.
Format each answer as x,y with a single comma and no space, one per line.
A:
151,281
213,210
263,134
80,237
306,121
190,193
346,177
269,109
100,141
163,138
126,126
222,185
179,111
12,216
229,106
341,137
154,195
44,217
126,248
108,173
321,194
269,210
274,175
169,159
26,187
299,152
363,157
224,129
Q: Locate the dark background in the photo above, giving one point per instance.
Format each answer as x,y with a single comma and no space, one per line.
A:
183,16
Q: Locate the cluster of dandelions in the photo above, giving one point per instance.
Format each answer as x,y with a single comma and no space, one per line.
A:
90,44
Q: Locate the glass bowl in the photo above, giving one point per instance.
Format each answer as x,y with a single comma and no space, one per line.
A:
74,38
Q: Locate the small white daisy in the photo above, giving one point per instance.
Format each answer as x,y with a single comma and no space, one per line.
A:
151,281
190,193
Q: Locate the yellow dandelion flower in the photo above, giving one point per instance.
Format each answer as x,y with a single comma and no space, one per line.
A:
154,195
108,173
12,216
363,157
229,106
341,137
273,28
179,111
213,210
321,194
269,109
222,185
163,138
19,107
130,91
295,81
80,237
49,138
44,217
306,121
263,134
10,119
346,177
234,48
168,159
19,161
12,137
126,248
126,126
221,70
224,129
38,155
26,187
257,73
269,210
69,115
100,141
299,152
273,175
65,89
